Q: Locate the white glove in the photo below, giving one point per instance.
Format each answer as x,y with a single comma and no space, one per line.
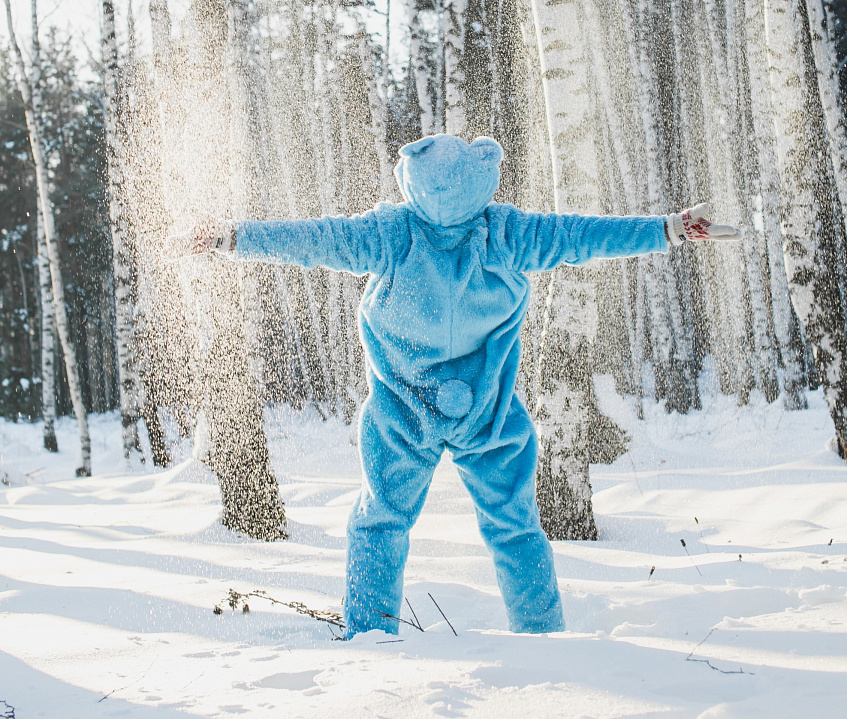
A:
205,237
693,225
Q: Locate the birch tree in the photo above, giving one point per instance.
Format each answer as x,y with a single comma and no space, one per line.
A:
122,251
826,67
48,349
420,61
48,320
768,208
561,411
33,114
453,19
808,241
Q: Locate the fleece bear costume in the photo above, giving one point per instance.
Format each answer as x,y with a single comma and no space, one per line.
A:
440,321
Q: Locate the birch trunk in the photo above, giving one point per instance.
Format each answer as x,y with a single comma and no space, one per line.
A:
824,63
808,244
146,222
454,73
733,133
122,252
330,171
704,118
420,68
768,207
563,422
48,349
33,114
48,318
826,66
563,485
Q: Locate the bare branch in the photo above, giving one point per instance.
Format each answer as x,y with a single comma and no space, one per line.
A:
443,614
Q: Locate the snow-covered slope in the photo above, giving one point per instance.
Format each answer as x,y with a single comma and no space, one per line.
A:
107,585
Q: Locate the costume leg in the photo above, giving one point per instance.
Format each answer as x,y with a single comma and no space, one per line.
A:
500,477
396,476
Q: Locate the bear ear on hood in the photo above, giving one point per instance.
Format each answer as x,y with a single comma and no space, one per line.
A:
488,150
413,148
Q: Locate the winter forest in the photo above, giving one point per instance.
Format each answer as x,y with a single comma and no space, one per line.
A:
277,109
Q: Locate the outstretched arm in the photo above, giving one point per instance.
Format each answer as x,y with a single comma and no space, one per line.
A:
544,241
339,243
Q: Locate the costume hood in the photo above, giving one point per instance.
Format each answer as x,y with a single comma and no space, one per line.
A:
445,180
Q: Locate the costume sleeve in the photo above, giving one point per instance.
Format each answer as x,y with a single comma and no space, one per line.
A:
540,242
352,244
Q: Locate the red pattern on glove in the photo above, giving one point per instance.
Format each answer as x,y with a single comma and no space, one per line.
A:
695,229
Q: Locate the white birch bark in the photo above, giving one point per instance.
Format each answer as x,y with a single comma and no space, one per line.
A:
292,331
48,320
563,485
420,68
323,82
629,292
826,66
48,350
768,208
453,18
740,211
705,99
439,89
122,251
807,249
624,80
334,200
538,196
36,143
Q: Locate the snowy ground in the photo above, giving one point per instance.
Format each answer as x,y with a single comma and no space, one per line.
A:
107,585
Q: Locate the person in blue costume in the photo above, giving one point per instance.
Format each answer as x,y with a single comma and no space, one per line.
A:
440,321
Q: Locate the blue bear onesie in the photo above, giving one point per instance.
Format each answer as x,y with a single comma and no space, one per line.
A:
440,321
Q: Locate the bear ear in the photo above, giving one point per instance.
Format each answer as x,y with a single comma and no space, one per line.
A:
488,150
413,148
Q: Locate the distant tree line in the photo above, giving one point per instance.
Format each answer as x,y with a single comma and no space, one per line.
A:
76,151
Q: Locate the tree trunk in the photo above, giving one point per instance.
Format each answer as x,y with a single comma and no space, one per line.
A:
808,241
826,66
420,68
768,208
562,403
48,350
563,422
32,114
453,18
48,317
122,251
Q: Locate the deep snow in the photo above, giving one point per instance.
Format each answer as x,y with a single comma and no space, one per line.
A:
107,584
